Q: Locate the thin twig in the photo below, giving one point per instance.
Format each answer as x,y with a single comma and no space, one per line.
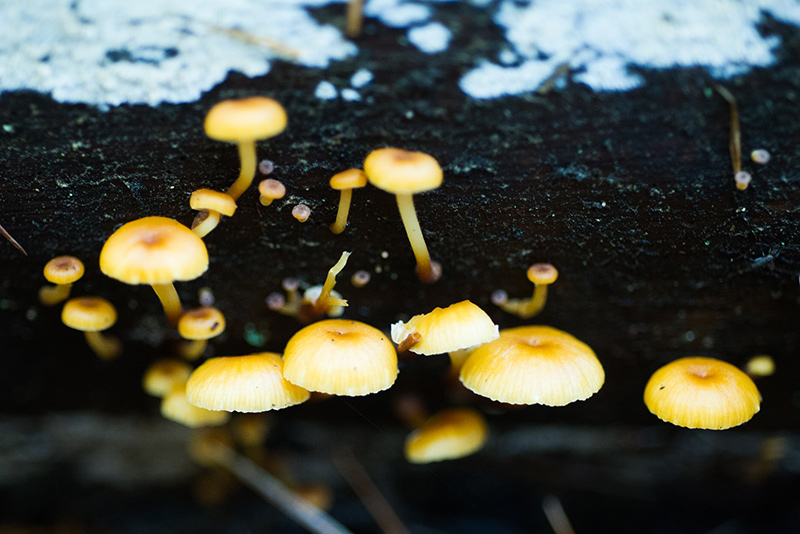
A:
556,516
295,507
276,46
363,486
736,133
12,240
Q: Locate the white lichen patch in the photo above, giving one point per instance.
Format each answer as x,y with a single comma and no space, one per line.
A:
431,38
361,78
150,51
325,91
601,39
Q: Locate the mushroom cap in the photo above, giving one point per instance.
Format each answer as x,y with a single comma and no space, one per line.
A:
208,199
163,375
450,434
271,188
459,326
63,270
401,171
201,323
245,119
697,392
340,357
533,365
542,274
252,383
175,407
89,314
349,179
153,250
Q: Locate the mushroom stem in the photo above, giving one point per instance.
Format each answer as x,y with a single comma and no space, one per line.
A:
106,348
247,155
426,270
52,295
170,301
355,17
205,221
533,306
191,350
344,209
324,302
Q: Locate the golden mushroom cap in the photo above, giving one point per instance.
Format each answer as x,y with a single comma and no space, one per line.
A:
542,273
163,375
153,250
175,407
349,179
246,119
699,392
201,323
401,171
272,189
340,357
459,326
533,365
252,383
450,434
63,270
89,314
208,199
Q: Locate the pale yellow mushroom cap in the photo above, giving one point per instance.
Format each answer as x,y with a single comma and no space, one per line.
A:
163,375
63,270
450,434
542,274
459,326
349,179
533,365
208,199
175,407
246,119
271,189
699,392
153,250
252,383
201,323
340,357
89,314
402,171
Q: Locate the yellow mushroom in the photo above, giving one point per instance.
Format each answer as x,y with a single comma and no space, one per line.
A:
155,251
541,275
533,365
163,375
345,182
699,392
92,315
198,326
450,434
404,173
269,190
175,407
62,271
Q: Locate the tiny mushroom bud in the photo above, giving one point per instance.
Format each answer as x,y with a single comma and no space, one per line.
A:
699,392
62,271
301,212
266,166
341,358
360,278
760,366
404,173
760,156
345,182
198,326
742,179
155,251
450,434
541,275
92,315
270,190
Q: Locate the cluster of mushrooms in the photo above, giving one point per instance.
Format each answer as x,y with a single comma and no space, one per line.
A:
333,356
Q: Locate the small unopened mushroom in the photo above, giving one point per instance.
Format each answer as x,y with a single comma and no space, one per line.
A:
198,326
345,182
742,179
269,190
62,271
156,251
541,275
448,435
163,375
404,173
760,366
700,392
92,315
301,212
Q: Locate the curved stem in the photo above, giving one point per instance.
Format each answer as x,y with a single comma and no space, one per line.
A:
192,349
170,301
205,221
247,156
344,209
323,302
535,305
52,295
425,270
106,348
